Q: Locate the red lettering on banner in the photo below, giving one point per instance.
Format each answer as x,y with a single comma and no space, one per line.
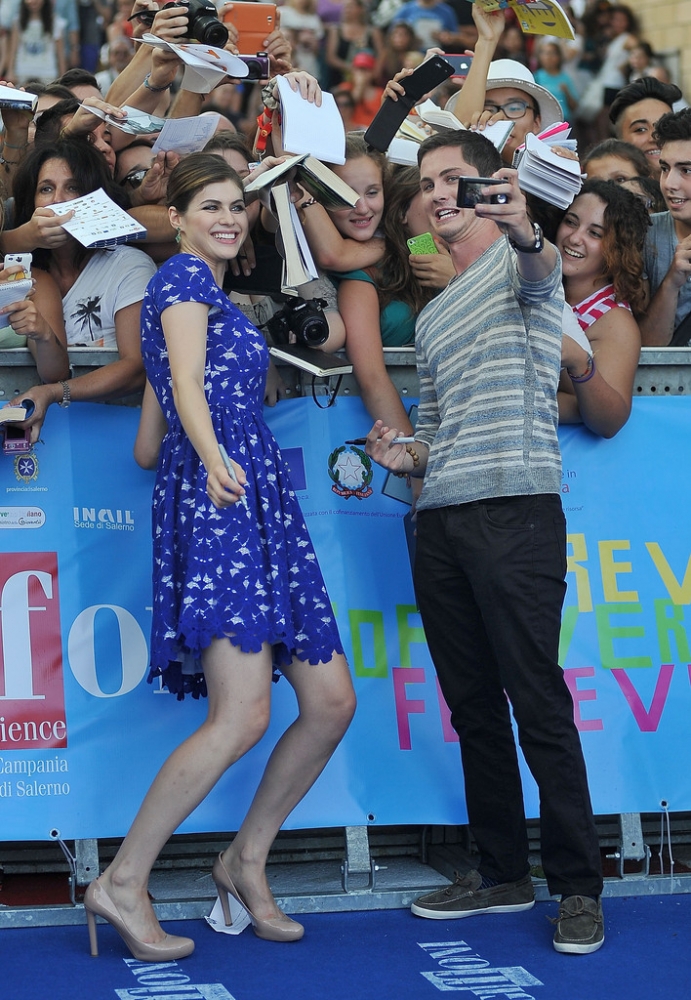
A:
406,706
32,697
571,675
648,720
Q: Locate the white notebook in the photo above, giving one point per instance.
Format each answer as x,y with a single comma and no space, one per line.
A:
307,128
547,175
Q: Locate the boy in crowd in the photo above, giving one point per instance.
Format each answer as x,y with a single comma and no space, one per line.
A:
667,322
636,110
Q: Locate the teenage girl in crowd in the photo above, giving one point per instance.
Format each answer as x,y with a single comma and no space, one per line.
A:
264,606
36,47
379,295
601,241
614,160
101,290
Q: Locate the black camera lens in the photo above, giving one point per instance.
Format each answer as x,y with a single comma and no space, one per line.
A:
304,318
313,331
208,30
203,24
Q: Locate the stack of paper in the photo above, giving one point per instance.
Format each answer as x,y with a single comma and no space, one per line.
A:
555,135
542,172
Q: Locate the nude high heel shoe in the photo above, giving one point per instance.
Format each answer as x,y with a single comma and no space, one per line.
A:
276,929
97,902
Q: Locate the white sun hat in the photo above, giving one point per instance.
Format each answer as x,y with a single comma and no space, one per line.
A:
511,73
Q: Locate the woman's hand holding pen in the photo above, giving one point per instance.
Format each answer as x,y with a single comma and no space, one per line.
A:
225,482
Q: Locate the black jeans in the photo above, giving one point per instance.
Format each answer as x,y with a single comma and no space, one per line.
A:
489,578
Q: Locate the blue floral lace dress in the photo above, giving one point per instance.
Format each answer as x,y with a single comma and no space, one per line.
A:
248,572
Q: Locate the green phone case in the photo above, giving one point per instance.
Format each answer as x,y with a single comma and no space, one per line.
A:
422,244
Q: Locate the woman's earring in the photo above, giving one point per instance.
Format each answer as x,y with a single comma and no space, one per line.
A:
178,234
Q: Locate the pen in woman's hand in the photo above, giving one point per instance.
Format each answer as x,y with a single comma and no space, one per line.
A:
231,472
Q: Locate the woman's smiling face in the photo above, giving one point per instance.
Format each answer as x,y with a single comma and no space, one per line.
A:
364,175
579,239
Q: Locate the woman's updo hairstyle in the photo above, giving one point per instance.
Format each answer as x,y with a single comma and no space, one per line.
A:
193,174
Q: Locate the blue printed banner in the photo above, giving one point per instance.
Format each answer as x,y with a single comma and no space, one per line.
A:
82,734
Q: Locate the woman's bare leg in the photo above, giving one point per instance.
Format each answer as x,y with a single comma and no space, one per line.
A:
326,703
239,687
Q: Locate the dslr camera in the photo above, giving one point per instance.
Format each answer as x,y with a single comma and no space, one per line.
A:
203,23
302,317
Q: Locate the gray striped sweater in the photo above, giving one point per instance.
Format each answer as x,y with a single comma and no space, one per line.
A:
488,355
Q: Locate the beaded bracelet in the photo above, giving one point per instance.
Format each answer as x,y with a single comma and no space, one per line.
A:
308,203
155,90
416,461
587,374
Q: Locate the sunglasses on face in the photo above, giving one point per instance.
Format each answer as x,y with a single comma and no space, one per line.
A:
512,109
135,177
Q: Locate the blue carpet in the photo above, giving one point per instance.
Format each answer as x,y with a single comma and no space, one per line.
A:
381,955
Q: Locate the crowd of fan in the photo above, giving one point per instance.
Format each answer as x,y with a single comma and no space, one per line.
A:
623,276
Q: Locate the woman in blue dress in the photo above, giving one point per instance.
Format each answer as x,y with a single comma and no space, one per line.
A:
237,589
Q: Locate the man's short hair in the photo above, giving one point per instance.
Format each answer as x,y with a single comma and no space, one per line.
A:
673,127
641,90
78,77
478,151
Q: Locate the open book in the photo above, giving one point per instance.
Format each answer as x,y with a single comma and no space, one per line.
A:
536,17
411,128
11,97
298,263
205,65
440,118
98,222
309,359
544,173
316,178
307,128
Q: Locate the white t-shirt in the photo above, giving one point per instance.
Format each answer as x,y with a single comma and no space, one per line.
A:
111,280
